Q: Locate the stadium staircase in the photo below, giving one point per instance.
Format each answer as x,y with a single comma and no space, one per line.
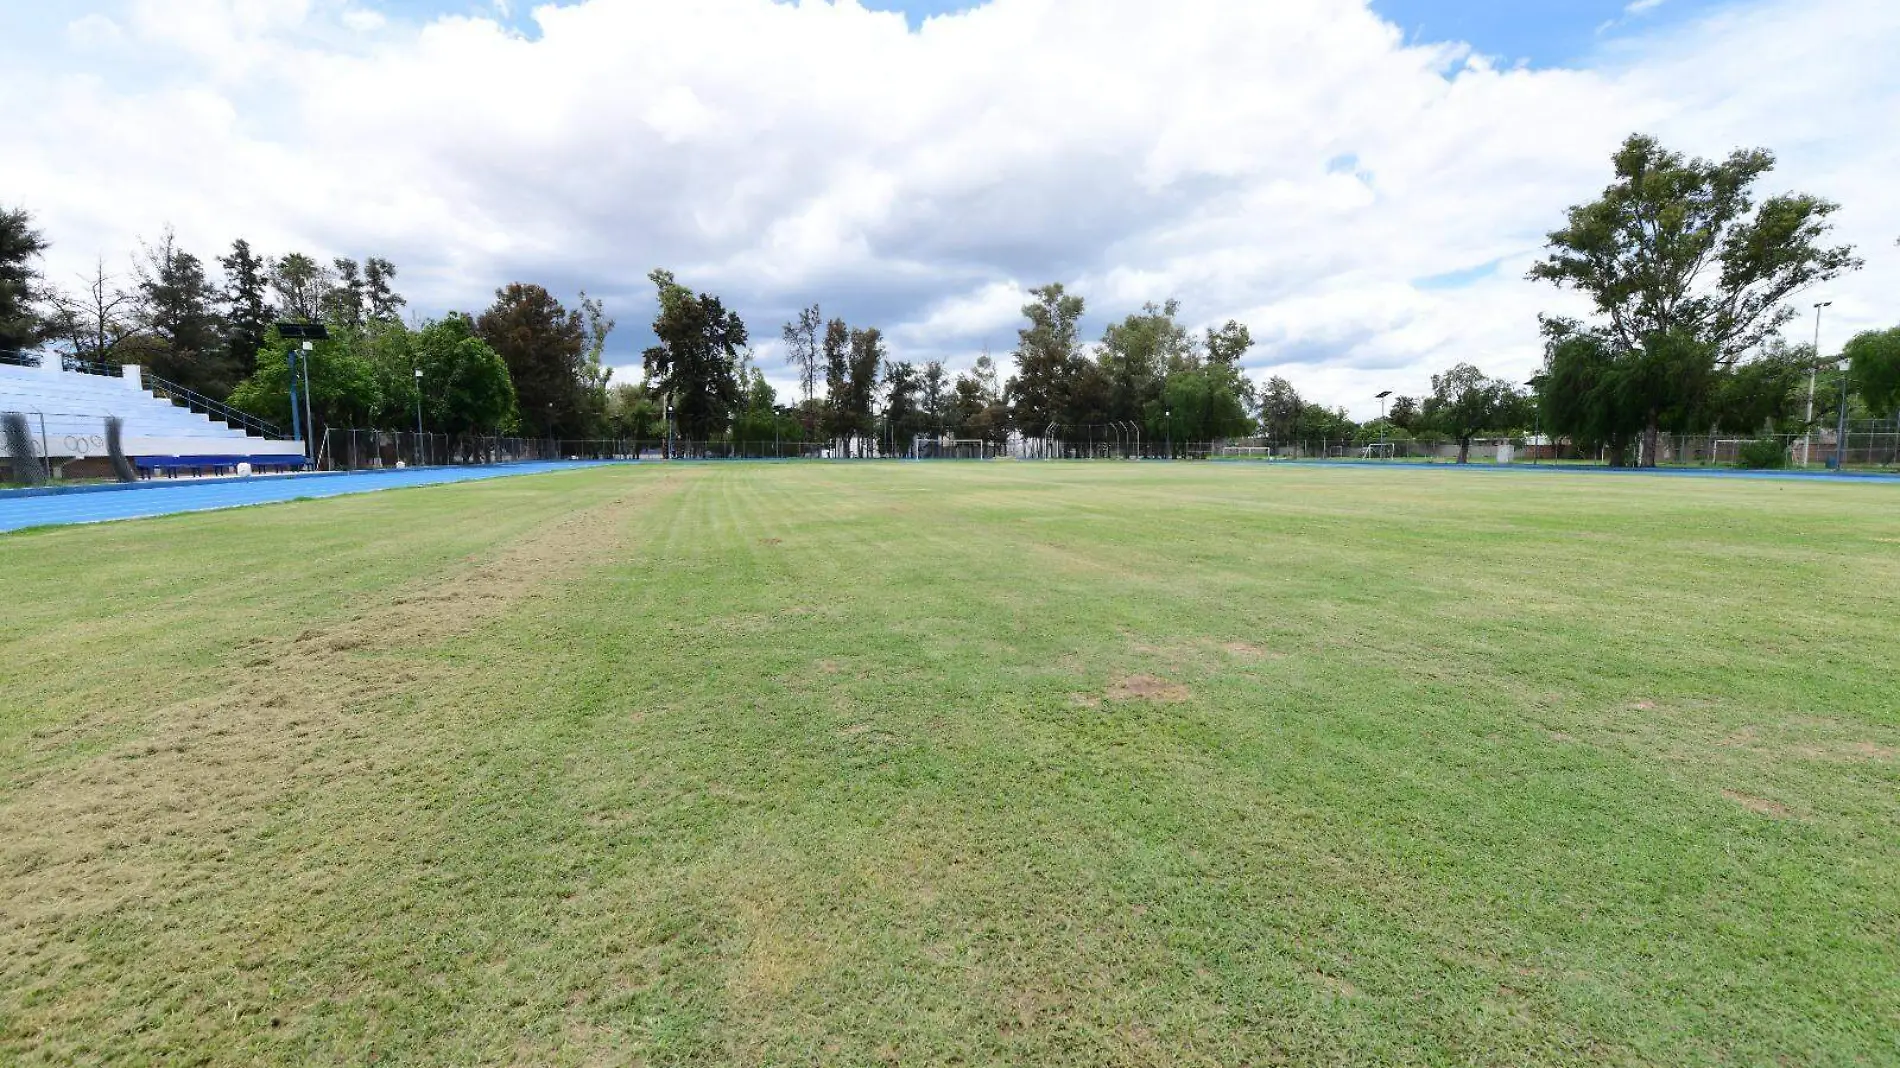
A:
165,427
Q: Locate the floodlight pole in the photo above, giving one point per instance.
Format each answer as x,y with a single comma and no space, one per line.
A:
1807,438
309,420
1840,433
418,405
296,413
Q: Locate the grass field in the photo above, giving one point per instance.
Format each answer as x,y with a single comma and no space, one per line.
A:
961,763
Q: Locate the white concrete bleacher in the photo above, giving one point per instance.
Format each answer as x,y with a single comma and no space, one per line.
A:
66,413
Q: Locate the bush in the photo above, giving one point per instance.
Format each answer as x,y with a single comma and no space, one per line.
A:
1764,454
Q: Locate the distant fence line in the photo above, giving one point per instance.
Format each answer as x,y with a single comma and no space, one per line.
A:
1868,444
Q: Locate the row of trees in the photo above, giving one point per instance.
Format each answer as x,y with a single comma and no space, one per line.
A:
526,364
1690,280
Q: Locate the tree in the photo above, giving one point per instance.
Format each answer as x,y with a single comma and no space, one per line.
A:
978,407
1047,355
247,310
903,409
381,302
544,345
757,420
633,412
594,371
178,307
1135,355
300,285
1403,413
1686,274
1280,408
343,304
936,394
802,349
837,353
864,360
1464,402
20,283
465,382
344,390
697,360
1874,364
97,324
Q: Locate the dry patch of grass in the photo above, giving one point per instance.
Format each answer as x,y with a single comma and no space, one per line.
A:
1149,688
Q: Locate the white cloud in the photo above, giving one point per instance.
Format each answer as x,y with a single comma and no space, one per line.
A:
94,30
1291,164
364,20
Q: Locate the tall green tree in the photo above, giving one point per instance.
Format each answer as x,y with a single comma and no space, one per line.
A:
595,373
837,357
935,398
1048,355
178,309
865,359
344,387
1464,403
634,412
1874,367
466,388
978,409
903,402
299,286
802,349
21,286
696,362
1687,275
544,345
343,303
247,311
381,302
1136,355
1280,409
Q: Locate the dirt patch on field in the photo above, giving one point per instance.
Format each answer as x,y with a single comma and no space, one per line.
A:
1337,985
1759,804
1148,688
288,714
1246,649
1751,740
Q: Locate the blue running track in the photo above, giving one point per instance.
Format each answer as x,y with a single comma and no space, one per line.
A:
103,503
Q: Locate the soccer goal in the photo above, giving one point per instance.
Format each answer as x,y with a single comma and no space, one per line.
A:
1244,452
948,448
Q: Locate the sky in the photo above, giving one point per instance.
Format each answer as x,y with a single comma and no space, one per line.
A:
1364,184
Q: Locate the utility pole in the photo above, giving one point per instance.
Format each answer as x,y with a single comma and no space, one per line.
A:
1840,433
1807,439
418,406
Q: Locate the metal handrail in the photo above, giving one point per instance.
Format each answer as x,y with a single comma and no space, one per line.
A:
103,370
198,402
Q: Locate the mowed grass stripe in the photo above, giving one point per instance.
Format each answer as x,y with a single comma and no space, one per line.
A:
825,764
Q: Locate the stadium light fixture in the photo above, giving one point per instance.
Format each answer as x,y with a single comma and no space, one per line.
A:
1382,398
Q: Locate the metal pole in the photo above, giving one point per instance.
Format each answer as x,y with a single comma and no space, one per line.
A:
418,402
296,425
1807,438
1840,435
309,420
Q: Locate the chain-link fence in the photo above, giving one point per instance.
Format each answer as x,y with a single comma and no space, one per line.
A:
1868,445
